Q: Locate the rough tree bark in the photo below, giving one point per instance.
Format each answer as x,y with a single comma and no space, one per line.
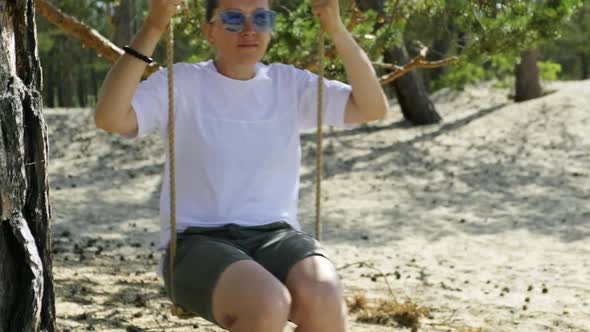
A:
411,94
26,280
528,83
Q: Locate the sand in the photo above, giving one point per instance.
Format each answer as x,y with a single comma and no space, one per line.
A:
483,219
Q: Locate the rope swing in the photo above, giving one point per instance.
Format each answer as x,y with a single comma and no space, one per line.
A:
177,310
319,138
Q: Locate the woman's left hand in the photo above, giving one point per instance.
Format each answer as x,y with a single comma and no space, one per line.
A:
328,12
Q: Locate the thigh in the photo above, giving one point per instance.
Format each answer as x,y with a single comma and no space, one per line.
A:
282,249
199,263
247,292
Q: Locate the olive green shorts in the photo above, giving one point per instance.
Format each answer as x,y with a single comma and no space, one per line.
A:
203,253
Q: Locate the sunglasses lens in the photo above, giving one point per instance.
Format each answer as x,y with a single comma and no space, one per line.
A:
233,21
264,21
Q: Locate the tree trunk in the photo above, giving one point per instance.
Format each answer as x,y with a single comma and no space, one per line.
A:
94,79
440,48
66,90
81,91
376,5
585,63
26,279
411,93
528,83
461,41
49,86
125,21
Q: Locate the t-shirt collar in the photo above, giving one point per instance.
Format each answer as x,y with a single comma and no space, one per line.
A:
260,70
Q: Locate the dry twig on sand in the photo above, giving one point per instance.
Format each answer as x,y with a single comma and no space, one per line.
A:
389,312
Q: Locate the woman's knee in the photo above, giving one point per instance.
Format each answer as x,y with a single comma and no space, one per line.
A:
248,298
317,292
270,310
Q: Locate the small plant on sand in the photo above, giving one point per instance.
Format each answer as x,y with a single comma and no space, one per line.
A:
387,312
391,312
357,303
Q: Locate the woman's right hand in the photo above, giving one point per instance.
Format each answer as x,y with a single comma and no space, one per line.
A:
161,11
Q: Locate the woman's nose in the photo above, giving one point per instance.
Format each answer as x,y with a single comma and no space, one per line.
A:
249,27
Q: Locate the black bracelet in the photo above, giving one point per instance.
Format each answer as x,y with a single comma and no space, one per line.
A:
138,55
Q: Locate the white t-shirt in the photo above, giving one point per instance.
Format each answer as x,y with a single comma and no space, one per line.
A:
237,146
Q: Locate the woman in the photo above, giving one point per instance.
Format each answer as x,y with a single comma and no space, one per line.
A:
242,261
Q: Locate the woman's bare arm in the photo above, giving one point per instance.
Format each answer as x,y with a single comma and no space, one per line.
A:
113,108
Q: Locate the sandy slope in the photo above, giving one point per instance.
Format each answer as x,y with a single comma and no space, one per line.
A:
484,219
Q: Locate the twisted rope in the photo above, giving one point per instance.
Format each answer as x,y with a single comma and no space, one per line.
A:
319,138
171,129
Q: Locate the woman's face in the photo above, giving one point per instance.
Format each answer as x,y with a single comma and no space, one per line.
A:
241,48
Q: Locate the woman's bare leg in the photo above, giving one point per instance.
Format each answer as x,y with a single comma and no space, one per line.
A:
318,299
248,298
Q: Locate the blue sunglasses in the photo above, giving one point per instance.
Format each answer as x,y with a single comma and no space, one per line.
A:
235,20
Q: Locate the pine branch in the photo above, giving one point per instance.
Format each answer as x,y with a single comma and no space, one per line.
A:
88,36
417,62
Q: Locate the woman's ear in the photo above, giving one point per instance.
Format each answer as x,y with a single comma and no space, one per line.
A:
207,29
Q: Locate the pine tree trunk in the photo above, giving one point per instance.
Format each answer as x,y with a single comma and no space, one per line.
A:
440,48
528,83
585,63
26,279
67,85
81,91
365,5
411,93
125,23
461,41
49,92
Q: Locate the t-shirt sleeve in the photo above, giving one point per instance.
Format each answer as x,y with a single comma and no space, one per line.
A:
150,103
335,98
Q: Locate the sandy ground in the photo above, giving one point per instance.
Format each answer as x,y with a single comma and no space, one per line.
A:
483,219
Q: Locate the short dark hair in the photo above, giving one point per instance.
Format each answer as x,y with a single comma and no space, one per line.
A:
211,5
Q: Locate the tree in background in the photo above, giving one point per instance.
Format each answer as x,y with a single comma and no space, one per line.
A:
528,81
376,26
125,21
412,94
72,73
500,38
488,35
27,302
572,50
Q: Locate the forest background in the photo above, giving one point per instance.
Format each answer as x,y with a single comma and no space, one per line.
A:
551,38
